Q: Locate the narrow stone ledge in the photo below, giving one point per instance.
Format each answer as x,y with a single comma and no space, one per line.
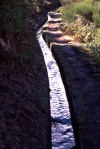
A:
55,21
76,77
61,63
55,15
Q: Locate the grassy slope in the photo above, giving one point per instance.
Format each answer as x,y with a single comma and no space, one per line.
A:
83,23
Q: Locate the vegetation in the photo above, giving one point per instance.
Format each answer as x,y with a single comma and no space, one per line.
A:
17,39
16,36
87,8
18,24
83,23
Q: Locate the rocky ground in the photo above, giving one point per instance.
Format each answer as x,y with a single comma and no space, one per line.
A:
81,80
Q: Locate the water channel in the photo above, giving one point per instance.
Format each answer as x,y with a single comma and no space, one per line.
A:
62,131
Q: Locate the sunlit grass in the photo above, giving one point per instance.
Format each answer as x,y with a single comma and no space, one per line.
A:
86,8
82,22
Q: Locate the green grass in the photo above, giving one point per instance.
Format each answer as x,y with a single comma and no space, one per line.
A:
84,9
87,8
95,47
96,13
83,24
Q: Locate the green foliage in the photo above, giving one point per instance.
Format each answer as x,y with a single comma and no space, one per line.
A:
68,13
67,2
14,20
96,13
96,18
95,47
88,8
83,24
84,9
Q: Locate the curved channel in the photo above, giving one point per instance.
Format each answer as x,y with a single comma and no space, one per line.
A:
62,131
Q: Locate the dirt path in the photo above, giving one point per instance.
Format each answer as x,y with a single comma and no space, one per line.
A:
82,83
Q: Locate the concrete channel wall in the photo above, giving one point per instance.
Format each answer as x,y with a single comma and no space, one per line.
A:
80,80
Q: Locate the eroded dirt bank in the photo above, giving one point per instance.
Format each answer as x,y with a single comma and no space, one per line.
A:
24,101
24,105
82,84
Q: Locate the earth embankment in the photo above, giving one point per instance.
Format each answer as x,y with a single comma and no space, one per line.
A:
24,101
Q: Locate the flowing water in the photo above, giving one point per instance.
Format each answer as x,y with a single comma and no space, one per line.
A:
62,131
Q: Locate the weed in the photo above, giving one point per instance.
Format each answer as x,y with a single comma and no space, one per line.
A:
83,24
86,8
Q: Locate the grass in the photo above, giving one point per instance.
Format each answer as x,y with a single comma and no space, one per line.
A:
86,8
82,21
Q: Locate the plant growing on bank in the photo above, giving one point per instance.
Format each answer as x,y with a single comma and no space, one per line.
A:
87,8
83,23
95,52
95,47
15,35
